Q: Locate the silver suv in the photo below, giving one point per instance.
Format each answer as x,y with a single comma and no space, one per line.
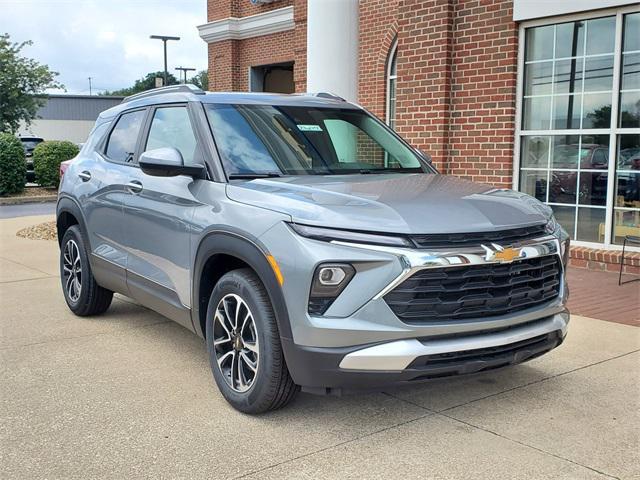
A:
308,243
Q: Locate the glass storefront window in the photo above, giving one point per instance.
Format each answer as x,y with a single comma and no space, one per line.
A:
574,77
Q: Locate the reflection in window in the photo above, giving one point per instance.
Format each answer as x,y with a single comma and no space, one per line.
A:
569,66
171,127
121,146
627,188
569,91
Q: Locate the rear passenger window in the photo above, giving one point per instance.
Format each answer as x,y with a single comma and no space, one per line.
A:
121,146
171,127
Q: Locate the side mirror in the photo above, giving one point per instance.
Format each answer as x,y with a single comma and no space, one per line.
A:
167,162
425,156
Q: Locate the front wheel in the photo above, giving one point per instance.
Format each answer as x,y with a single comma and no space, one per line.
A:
81,292
244,346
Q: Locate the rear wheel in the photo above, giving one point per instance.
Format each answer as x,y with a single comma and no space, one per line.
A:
81,292
244,345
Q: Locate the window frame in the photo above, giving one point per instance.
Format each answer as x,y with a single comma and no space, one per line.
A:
104,143
393,52
613,131
146,130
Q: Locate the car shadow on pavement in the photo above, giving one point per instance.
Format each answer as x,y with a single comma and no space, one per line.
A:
431,396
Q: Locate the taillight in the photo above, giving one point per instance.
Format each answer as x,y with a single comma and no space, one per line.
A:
63,168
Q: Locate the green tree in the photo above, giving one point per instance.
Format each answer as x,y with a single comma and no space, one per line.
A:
23,82
200,80
145,83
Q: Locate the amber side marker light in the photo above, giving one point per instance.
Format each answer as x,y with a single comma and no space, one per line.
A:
276,269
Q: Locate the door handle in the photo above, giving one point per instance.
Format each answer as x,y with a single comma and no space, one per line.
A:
85,176
134,186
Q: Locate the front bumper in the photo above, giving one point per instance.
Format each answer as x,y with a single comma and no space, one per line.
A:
341,370
361,343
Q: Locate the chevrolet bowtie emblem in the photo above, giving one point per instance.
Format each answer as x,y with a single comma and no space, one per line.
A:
498,253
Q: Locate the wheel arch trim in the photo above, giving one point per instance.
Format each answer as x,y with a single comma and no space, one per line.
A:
224,241
71,206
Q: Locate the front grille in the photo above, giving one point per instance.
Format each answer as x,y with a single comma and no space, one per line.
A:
473,291
457,240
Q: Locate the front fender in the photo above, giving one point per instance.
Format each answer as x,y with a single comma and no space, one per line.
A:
252,252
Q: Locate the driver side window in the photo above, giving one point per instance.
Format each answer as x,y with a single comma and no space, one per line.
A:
171,127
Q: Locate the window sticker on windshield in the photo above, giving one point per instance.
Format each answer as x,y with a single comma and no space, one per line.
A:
309,128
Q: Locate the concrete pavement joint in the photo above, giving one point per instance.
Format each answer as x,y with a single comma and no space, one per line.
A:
527,445
329,447
443,414
440,413
26,266
27,279
539,381
83,336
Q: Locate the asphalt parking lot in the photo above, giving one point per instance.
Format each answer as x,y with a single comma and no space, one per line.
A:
130,395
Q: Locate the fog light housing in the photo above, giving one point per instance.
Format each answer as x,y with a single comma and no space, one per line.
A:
329,280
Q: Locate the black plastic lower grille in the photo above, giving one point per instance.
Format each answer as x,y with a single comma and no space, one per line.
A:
469,361
476,291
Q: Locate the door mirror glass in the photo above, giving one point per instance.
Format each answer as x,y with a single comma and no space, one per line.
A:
167,162
427,158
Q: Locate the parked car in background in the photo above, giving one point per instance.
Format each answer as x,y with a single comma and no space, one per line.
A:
29,144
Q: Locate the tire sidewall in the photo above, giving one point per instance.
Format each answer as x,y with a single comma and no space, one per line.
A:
73,233
236,283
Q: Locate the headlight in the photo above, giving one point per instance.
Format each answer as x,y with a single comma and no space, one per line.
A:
552,226
329,234
329,280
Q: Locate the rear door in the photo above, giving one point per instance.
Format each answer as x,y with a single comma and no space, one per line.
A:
105,175
157,218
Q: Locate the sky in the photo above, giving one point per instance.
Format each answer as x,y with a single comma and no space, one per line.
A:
107,40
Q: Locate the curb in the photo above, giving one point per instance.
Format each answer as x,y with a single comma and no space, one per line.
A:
23,200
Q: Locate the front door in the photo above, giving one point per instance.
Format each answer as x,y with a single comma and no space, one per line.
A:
157,219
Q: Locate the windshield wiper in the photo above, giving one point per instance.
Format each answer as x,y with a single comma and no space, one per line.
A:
245,176
385,170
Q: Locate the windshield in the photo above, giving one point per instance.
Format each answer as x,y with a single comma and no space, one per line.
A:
30,144
284,140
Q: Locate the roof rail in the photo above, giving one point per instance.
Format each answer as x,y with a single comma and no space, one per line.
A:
183,88
330,95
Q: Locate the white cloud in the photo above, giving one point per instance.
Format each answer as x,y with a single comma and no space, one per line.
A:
106,40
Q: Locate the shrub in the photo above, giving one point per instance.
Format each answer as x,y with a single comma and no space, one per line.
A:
13,168
47,158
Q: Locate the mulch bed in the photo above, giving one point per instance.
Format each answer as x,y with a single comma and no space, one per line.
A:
41,231
35,192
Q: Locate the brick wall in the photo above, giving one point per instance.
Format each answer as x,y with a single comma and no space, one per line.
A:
483,91
230,60
378,30
456,87
604,260
221,9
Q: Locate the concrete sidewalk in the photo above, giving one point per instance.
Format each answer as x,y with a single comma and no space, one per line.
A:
130,394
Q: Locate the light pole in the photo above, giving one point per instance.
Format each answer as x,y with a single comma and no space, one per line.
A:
185,70
164,39
89,85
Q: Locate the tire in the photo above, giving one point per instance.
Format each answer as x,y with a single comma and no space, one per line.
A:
252,333
85,297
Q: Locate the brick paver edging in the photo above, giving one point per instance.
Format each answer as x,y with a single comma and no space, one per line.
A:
609,260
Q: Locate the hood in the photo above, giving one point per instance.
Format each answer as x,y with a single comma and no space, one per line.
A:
392,203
